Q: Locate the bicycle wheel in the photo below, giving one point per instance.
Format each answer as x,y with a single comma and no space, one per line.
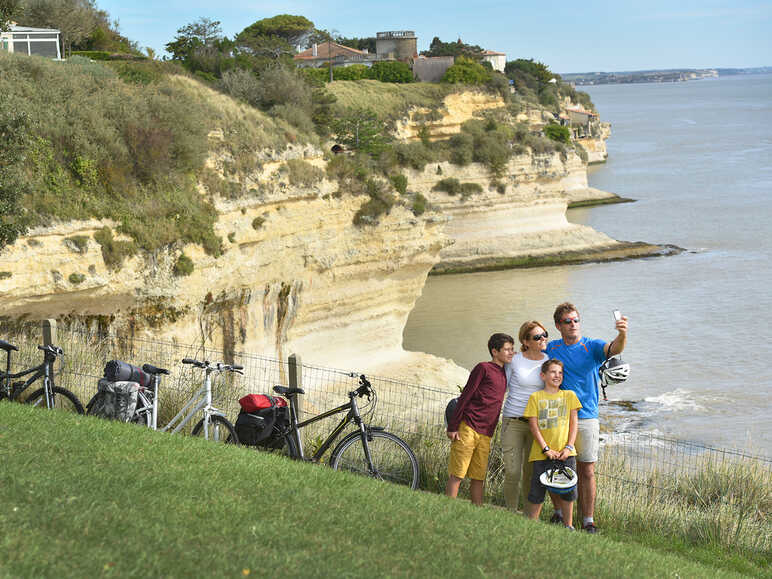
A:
220,430
393,460
63,400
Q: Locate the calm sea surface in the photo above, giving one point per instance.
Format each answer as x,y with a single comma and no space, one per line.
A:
698,158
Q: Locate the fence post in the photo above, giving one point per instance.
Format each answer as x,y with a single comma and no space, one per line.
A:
49,332
296,378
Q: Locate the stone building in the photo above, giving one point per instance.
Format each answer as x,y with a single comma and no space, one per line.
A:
396,45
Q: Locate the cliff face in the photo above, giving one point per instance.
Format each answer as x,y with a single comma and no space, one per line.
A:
297,276
518,217
305,281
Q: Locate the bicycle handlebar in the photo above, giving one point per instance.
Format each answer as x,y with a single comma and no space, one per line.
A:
219,366
365,388
53,350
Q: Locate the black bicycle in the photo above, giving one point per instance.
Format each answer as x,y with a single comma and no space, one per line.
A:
369,450
50,395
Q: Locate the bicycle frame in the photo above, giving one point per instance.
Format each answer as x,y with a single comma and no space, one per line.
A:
44,370
351,416
200,401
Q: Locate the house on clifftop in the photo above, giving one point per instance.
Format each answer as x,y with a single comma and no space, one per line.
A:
319,55
31,41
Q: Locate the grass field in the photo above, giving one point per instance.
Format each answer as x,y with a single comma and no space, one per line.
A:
90,498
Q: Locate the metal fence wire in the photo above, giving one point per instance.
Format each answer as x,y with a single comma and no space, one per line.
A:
413,411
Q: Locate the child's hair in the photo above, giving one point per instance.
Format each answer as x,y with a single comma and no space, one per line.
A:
497,341
550,362
562,310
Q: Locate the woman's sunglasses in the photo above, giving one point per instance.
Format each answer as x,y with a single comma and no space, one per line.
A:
537,337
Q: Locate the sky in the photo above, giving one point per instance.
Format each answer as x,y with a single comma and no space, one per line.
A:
593,35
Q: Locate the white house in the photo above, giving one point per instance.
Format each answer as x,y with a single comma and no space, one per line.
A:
498,60
25,40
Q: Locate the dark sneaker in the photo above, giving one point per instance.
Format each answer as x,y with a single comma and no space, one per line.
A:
590,528
556,519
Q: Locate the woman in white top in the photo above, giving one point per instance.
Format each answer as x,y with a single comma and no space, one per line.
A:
523,379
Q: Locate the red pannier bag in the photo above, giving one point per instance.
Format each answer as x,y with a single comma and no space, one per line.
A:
256,402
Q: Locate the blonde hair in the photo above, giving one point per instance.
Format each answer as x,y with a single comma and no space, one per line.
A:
525,329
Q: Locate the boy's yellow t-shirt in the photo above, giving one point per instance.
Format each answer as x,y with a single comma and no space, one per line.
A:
554,413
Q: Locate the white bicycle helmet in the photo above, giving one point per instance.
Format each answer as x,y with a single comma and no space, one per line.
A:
613,371
559,478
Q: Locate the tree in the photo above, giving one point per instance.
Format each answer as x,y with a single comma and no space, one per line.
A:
458,48
290,29
75,19
14,128
391,71
367,43
8,10
466,71
274,38
203,33
360,130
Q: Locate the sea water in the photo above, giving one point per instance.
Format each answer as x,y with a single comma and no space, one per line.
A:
697,157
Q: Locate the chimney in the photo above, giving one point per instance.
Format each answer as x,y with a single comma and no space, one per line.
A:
313,50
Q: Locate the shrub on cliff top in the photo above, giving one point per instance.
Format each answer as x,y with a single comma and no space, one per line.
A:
558,133
183,266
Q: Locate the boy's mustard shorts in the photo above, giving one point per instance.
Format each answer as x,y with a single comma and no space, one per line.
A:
469,454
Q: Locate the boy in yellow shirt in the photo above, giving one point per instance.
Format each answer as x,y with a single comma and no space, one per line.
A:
552,418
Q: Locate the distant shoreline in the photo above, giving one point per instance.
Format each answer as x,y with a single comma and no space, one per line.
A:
657,76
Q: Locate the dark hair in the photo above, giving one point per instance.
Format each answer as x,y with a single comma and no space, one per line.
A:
550,362
497,341
562,310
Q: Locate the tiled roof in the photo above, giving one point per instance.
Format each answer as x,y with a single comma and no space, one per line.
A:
325,50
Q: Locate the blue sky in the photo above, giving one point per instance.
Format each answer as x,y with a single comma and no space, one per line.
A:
593,35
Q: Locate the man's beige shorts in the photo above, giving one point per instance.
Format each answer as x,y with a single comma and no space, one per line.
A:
469,454
587,440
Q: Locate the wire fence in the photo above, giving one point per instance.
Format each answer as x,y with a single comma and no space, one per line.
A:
413,411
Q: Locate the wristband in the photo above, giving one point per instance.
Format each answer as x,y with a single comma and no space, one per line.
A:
569,447
545,450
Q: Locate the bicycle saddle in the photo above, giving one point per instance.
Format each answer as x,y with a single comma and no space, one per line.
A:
153,370
284,391
7,347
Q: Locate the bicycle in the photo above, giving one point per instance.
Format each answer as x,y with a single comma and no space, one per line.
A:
50,394
214,425
369,450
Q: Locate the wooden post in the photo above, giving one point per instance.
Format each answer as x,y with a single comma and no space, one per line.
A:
49,332
296,378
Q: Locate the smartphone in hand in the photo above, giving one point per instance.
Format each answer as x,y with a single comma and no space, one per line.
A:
617,315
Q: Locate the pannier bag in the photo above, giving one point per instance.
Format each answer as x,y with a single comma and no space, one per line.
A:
262,420
117,371
114,400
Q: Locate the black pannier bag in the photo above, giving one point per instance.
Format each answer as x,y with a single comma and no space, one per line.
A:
262,420
114,400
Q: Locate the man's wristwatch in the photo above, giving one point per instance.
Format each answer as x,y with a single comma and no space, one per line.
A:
545,450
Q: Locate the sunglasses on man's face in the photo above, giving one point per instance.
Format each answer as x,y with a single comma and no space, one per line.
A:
568,321
537,337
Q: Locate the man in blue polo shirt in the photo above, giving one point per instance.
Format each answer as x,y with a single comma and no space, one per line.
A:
581,359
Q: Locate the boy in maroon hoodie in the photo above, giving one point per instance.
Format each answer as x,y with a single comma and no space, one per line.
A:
474,421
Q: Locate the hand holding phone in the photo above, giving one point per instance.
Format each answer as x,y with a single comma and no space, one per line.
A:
617,315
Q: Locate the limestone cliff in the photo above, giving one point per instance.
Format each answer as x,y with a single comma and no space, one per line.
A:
296,274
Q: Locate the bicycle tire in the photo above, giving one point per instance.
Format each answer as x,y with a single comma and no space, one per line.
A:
220,430
63,400
392,458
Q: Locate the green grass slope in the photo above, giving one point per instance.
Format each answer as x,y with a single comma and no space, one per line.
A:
89,498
